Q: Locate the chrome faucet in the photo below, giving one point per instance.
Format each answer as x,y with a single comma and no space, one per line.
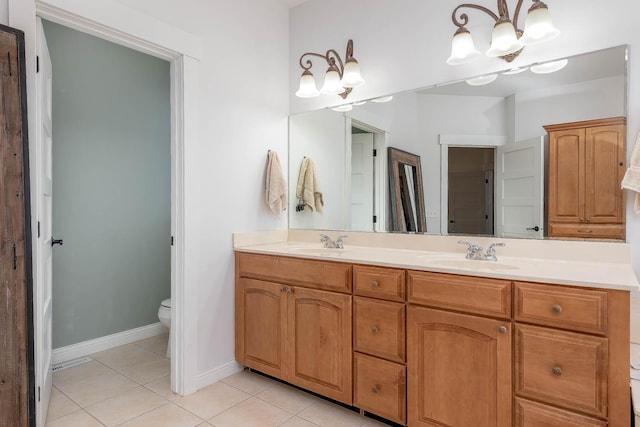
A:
328,243
475,251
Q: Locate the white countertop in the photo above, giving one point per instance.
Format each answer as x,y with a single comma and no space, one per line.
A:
609,273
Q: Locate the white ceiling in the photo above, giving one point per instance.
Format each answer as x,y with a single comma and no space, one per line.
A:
292,3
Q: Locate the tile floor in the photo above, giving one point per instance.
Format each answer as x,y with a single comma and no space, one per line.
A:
129,386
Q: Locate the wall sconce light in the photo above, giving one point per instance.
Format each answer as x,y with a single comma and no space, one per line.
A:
507,41
339,79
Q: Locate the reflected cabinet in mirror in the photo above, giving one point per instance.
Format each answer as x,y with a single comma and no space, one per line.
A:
484,153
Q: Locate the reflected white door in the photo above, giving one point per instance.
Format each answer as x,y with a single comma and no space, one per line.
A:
43,263
362,182
520,185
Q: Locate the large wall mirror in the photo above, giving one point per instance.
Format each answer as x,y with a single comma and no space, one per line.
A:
465,136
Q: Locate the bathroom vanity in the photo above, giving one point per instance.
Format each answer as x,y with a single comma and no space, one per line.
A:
424,337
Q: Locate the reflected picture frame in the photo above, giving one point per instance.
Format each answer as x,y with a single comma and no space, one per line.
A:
406,192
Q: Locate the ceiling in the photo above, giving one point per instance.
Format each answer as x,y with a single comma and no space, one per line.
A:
292,3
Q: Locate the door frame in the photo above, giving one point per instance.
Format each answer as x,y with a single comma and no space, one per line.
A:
113,22
471,141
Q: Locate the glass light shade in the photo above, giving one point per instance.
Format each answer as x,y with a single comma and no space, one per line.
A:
549,67
341,108
538,28
504,40
482,80
516,70
462,48
332,84
383,99
307,87
351,76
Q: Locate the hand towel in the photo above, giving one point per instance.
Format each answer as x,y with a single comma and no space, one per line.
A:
276,188
631,180
308,188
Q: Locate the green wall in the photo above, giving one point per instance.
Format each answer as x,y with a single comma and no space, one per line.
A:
111,186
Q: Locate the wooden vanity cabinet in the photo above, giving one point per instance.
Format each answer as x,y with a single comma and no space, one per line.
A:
296,333
586,165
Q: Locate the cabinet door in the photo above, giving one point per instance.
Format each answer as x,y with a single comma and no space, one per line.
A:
459,370
605,159
319,350
261,333
566,175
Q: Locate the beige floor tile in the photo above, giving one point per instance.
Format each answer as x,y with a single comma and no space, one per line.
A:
80,373
76,419
168,415
60,405
288,398
125,406
251,413
96,389
297,422
249,382
212,400
162,387
326,414
126,356
157,344
146,372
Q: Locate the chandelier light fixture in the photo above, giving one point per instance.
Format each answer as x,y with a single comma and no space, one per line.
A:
340,78
507,40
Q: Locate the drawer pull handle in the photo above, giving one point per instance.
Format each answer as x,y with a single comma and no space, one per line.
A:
374,329
375,389
374,284
557,371
557,308
502,330
585,231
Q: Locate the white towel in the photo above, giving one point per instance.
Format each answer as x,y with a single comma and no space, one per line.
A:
308,188
276,188
631,180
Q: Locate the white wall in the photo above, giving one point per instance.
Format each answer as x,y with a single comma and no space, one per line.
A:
242,113
403,44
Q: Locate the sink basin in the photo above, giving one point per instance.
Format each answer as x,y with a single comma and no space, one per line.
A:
317,251
473,264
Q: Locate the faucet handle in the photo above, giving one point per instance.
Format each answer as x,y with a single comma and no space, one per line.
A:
338,242
491,249
471,247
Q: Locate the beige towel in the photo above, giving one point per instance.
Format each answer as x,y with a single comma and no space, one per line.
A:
276,188
308,188
631,180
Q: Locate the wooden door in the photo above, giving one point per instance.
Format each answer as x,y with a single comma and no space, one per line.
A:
605,160
261,332
319,351
459,370
16,382
567,175
362,182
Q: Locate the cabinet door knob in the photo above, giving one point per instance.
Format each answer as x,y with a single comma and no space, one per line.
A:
557,308
290,291
557,371
375,389
502,330
374,329
283,289
374,284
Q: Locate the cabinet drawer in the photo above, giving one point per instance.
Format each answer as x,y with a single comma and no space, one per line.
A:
379,328
380,387
577,309
531,414
377,282
464,293
334,276
562,368
591,231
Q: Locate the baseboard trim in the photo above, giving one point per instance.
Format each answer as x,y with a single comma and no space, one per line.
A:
216,374
86,348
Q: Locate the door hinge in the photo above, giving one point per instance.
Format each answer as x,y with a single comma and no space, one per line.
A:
375,152
375,219
38,229
171,240
38,393
37,64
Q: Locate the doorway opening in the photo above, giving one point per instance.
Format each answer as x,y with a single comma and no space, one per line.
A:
471,190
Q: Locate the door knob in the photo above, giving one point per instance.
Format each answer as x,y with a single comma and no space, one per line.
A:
56,242
535,228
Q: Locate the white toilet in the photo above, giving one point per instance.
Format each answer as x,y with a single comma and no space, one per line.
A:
164,315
